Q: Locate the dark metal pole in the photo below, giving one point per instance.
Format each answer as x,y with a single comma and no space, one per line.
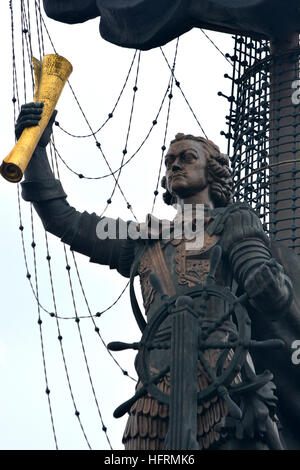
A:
284,141
182,434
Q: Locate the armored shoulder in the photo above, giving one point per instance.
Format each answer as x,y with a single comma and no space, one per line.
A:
237,223
243,240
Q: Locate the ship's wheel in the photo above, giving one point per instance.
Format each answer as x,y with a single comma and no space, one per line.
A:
238,343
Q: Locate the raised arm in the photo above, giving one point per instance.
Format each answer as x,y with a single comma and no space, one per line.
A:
49,200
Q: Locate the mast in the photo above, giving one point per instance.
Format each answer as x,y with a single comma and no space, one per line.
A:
284,141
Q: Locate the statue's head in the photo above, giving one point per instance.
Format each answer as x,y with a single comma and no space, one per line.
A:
192,164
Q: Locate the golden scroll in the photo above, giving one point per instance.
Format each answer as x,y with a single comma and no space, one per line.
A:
50,78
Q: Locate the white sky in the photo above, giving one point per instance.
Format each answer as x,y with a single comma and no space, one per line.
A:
99,72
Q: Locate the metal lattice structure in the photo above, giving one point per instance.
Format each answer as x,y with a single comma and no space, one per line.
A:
264,133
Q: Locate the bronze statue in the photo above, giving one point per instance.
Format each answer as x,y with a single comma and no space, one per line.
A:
197,173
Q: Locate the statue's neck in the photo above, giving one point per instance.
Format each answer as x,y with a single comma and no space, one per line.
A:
200,198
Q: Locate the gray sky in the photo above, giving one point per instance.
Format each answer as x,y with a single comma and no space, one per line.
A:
99,72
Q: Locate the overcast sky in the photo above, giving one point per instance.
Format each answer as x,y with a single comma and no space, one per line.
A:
100,69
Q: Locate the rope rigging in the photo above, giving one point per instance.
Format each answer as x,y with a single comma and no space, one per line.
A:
111,114
163,148
153,123
124,151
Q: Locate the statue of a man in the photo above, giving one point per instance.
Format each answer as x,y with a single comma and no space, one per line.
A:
197,174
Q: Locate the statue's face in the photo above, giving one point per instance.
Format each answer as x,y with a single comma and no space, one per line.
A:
186,168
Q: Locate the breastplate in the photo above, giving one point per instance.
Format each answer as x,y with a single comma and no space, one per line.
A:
178,269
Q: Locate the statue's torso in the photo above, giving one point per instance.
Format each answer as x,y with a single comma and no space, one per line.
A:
179,269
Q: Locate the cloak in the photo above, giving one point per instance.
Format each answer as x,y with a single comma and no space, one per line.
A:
145,24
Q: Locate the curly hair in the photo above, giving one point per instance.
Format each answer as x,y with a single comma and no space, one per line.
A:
218,171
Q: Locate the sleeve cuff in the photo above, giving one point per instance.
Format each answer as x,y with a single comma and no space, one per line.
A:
44,190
